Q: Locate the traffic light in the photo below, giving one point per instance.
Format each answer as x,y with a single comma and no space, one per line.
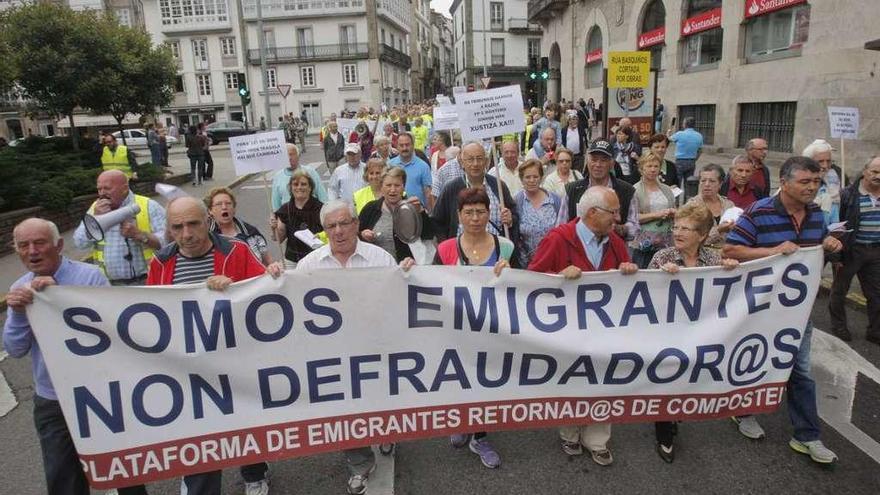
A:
545,68
533,68
243,90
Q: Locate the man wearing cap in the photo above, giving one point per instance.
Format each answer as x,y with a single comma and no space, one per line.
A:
127,247
348,178
600,159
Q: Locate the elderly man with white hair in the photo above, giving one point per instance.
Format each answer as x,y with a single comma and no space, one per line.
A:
587,243
345,250
828,197
281,180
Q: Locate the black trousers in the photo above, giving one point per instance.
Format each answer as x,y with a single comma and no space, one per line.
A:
864,261
64,473
665,432
209,165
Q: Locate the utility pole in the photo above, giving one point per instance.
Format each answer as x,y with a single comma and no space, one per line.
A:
485,74
261,36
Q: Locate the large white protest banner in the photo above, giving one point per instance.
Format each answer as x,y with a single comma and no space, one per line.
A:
260,152
159,382
490,113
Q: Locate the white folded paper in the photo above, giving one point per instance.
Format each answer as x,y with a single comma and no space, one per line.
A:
731,214
308,238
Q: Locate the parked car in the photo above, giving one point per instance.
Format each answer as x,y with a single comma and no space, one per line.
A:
222,131
137,138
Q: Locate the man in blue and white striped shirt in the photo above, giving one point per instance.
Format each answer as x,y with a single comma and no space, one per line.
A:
781,225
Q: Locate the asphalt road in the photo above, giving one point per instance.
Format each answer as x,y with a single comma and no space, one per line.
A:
712,457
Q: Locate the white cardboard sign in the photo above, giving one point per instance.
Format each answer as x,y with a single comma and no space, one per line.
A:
490,113
261,152
844,122
445,118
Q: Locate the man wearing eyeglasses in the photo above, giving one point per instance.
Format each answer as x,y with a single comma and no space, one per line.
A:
127,248
344,250
473,161
756,150
586,244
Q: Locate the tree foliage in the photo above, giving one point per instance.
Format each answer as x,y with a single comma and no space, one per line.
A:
134,77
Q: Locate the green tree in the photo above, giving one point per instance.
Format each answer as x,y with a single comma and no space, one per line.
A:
51,51
135,77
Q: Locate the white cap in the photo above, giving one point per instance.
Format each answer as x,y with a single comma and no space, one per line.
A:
352,148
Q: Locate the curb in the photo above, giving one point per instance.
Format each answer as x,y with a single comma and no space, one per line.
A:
232,185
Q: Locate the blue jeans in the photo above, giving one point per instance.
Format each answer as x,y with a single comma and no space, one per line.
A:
801,397
156,154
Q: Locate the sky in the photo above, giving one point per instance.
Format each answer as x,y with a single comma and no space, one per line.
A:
441,6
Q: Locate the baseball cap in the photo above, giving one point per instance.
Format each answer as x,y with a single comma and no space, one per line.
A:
601,146
352,148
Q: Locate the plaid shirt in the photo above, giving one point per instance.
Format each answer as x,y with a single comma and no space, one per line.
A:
116,249
450,171
705,257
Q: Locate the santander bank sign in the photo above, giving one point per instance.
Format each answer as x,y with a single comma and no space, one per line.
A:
760,7
702,22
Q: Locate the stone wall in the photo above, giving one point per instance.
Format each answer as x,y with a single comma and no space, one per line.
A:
69,218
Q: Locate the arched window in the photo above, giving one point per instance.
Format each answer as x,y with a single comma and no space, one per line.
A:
652,35
701,35
593,59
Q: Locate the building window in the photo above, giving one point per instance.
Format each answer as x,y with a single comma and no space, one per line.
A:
349,74
271,78
184,12
227,46
496,16
652,35
704,120
347,40
231,79
178,84
175,49
534,48
701,35
383,36
593,73
200,54
305,42
307,76
204,81
777,34
771,121
497,52
124,17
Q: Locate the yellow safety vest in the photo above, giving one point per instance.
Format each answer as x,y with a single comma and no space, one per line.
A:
116,161
143,224
420,135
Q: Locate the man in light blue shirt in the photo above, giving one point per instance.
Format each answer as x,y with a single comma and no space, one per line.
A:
39,247
418,173
688,146
281,180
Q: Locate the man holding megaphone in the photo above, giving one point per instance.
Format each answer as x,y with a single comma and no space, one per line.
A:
123,229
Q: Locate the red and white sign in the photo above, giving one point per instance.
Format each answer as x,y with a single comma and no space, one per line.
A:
651,38
761,7
701,22
594,56
284,89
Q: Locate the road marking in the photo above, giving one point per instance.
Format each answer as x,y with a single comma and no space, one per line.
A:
382,480
7,398
835,368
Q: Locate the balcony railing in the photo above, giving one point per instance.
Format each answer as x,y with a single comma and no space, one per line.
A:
522,24
302,8
315,53
543,9
395,56
206,22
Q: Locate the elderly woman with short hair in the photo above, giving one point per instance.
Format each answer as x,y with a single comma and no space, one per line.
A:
377,217
301,212
383,149
373,177
539,209
564,174
221,204
656,208
693,222
711,177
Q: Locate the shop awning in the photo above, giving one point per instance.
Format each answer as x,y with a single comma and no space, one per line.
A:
96,121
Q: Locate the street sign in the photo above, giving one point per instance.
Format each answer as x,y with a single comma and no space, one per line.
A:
629,69
844,122
485,82
284,89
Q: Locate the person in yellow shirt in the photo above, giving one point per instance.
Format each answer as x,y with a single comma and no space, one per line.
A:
116,156
420,135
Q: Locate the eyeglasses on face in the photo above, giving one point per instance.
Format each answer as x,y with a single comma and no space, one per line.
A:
340,224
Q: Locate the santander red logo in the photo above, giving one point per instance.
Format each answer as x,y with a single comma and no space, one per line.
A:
702,22
653,37
594,56
759,7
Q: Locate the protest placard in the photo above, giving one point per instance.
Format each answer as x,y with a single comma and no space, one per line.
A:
844,122
629,69
260,152
161,382
490,113
445,118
